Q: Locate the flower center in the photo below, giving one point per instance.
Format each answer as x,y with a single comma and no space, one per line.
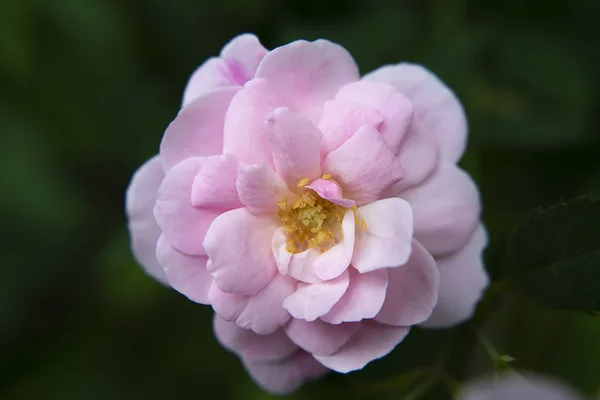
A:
311,222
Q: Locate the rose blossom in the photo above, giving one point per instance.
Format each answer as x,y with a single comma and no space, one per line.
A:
515,387
321,215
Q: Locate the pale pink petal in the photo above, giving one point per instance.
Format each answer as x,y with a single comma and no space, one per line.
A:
228,306
370,342
419,157
310,301
395,108
295,144
436,108
308,73
264,312
237,65
215,184
335,261
364,166
285,376
446,209
244,130
362,300
252,346
198,128
518,387
318,337
186,274
280,253
387,240
260,188
341,118
302,266
330,190
463,280
139,203
412,290
183,226
238,244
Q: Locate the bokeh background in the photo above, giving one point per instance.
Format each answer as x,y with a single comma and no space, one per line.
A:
87,89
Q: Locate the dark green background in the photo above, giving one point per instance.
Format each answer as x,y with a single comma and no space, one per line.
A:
87,88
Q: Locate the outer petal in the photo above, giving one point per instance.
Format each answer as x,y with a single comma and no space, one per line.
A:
341,118
372,341
446,209
238,244
215,184
260,188
362,300
462,282
308,73
264,313
396,109
183,226
144,231
387,240
186,274
287,375
436,108
310,301
198,128
228,306
237,64
517,387
320,337
243,132
250,345
364,166
295,144
412,290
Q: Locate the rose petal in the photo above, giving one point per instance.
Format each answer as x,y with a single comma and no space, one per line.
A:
330,190
318,337
370,342
228,306
244,129
186,274
308,73
364,166
215,184
310,301
446,209
362,300
436,107
412,290
387,240
280,253
396,109
463,280
143,229
295,144
518,387
264,312
285,376
183,226
252,346
238,244
341,118
237,64
198,128
333,262
260,188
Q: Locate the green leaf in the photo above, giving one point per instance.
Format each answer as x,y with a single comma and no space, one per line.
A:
556,255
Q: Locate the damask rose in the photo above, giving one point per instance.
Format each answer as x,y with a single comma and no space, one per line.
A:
517,387
319,213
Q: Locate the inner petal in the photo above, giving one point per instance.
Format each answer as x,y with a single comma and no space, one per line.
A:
314,219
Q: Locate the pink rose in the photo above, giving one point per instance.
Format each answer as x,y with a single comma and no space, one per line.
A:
320,214
515,387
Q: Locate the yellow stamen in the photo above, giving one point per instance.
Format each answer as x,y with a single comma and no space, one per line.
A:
364,225
303,182
326,176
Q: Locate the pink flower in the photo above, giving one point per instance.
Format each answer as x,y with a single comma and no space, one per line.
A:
516,387
320,214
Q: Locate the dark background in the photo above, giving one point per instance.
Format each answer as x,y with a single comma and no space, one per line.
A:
87,88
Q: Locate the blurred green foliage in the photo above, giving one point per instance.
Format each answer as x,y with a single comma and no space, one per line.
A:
88,87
